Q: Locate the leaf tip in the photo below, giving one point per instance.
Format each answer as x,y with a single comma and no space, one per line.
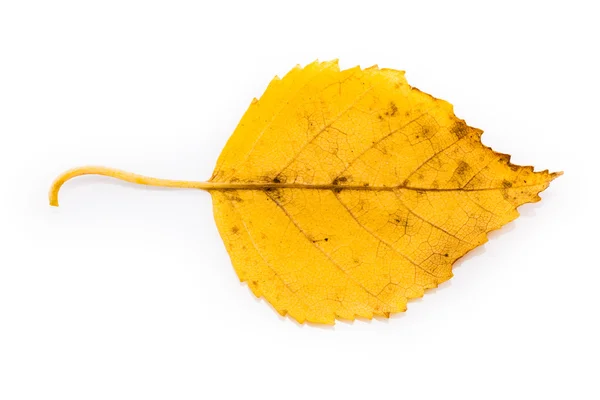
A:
555,175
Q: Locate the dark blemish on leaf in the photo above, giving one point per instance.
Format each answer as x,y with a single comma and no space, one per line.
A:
365,184
427,132
235,229
339,179
280,178
233,196
504,158
393,108
337,190
380,117
513,167
459,129
273,193
462,168
399,221
506,184
327,239
446,255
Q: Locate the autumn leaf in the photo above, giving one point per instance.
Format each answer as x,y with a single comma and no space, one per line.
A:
344,194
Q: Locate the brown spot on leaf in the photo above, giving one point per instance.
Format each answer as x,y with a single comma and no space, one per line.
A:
274,193
462,168
233,196
504,159
459,129
280,178
339,179
428,131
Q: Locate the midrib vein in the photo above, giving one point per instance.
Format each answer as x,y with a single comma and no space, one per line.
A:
210,186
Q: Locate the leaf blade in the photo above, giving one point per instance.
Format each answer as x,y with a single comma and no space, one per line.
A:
357,193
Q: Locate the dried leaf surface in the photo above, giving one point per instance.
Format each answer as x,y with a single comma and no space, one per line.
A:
361,192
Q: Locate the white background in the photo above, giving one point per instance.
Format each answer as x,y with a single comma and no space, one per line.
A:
128,293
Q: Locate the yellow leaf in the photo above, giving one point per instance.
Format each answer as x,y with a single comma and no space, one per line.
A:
344,194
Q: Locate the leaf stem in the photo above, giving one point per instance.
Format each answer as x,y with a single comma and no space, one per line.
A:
122,175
